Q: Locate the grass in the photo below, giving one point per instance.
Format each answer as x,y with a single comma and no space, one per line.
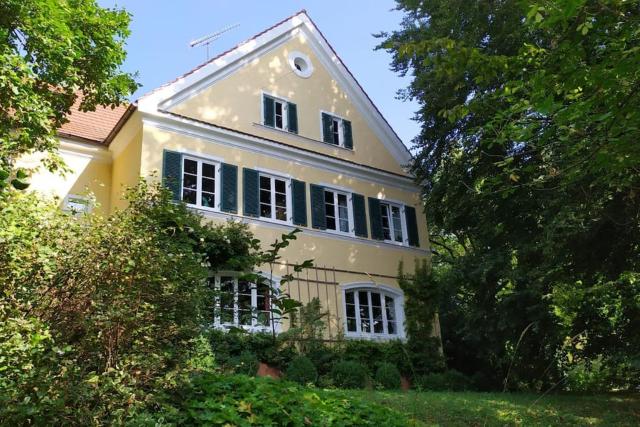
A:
500,409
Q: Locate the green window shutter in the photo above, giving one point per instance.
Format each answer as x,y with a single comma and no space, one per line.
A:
250,192
292,117
375,219
229,188
348,137
172,172
318,218
326,128
359,215
412,225
299,201
269,111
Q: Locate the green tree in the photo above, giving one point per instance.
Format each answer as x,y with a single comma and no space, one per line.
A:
51,52
529,158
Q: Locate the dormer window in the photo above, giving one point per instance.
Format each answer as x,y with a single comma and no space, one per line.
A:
336,131
279,114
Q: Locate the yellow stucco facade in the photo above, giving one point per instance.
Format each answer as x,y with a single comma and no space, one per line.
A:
236,102
219,118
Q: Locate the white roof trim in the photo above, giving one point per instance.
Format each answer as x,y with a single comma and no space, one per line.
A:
188,85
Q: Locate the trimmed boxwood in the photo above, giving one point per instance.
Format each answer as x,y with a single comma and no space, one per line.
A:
349,374
302,371
388,376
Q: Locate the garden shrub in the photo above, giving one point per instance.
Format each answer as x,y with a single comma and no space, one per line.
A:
450,380
246,363
302,371
103,310
349,374
275,352
211,399
388,376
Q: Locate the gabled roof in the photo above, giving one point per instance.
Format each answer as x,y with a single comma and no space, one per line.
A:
93,126
165,97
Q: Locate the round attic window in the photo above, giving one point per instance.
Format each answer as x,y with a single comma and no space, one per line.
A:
300,64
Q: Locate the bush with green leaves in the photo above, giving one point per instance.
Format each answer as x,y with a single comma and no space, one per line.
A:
211,399
124,298
302,371
275,351
450,380
246,363
349,374
387,376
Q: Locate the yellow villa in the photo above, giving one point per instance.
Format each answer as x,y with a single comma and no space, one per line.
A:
276,133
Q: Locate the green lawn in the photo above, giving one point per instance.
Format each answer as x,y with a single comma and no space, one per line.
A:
498,409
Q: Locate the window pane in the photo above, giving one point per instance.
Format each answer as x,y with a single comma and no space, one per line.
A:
391,328
265,197
263,318
351,310
386,229
190,166
208,185
208,170
365,320
351,324
281,186
189,196
265,210
281,200
281,214
397,223
208,200
265,183
279,123
190,182
378,326
375,299
244,317
335,129
343,213
391,314
263,297
349,298
329,210
226,300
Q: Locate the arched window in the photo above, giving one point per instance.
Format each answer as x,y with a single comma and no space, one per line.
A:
243,304
373,311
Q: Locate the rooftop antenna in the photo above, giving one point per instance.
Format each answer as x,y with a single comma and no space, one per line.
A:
208,39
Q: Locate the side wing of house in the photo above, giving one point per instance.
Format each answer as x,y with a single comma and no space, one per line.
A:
278,134
84,147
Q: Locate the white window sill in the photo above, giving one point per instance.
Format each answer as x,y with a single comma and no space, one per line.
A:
253,329
372,337
308,230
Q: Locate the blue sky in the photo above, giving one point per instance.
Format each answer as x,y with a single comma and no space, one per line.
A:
158,47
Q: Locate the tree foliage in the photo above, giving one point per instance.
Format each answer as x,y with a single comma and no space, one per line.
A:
50,52
529,158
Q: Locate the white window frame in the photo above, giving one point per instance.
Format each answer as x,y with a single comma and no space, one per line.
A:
83,200
287,183
217,195
254,327
349,196
383,290
285,111
403,222
340,129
